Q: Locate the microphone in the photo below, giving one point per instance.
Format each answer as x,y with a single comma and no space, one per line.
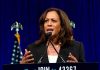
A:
47,36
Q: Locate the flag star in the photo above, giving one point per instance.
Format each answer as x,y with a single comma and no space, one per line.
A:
18,47
21,53
16,55
12,59
21,57
14,45
16,60
12,63
15,41
14,50
17,51
13,54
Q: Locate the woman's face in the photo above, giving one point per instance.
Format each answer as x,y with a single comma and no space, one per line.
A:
52,23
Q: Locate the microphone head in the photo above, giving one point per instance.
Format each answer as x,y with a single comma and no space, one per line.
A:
48,35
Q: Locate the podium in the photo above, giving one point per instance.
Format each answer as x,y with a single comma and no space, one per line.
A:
52,66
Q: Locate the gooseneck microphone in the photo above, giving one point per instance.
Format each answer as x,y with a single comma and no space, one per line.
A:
47,36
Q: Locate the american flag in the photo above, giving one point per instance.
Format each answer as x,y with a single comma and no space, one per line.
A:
16,53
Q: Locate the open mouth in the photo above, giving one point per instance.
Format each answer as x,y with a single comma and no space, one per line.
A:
49,30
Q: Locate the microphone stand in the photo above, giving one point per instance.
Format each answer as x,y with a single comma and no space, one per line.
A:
47,39
47,35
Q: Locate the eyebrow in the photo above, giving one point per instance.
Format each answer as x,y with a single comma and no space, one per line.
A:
52,18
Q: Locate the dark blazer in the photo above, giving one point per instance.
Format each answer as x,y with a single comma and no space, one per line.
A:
40,50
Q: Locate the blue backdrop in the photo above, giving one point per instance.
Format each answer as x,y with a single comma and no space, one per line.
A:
85,14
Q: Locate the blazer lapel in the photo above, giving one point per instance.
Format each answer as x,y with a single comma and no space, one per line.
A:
63,54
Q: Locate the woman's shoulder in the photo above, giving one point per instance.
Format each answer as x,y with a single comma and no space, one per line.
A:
76,43
34,45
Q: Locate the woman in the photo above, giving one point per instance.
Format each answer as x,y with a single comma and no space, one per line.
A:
59,47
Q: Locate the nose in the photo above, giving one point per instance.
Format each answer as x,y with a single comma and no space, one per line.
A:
49,23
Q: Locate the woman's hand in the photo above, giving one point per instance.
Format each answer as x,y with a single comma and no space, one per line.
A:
71,58
27,58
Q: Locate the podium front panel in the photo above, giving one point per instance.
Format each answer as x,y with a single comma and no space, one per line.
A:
52,66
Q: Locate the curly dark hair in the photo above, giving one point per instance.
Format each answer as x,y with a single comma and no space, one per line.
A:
65,33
